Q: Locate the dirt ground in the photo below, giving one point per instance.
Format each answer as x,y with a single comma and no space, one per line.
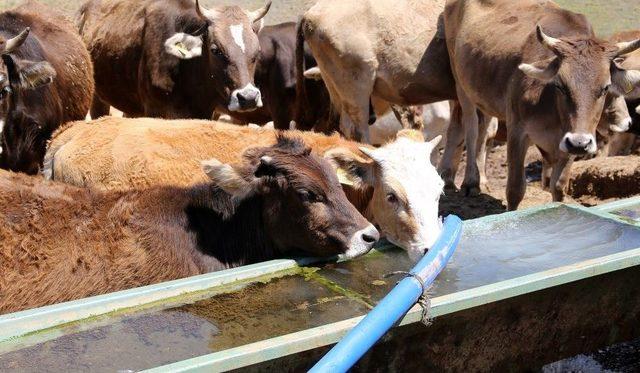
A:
593,182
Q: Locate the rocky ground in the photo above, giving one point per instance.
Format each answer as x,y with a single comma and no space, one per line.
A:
594,182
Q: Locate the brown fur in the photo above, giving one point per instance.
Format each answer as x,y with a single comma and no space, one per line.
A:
135,74
33,115
59,242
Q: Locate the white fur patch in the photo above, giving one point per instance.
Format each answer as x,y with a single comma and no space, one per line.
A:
237,33
405,164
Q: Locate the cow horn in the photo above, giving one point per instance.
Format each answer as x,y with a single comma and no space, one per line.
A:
205,13
546,40
15,42
257,15
627,47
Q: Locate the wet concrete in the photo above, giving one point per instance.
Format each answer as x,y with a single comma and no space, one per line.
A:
257,312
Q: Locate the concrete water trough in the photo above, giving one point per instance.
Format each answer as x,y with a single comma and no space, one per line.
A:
522,290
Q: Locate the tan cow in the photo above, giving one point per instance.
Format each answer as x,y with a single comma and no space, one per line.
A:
394,186
391,50
549,88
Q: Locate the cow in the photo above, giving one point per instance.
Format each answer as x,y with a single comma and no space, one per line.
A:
393,51
624,143
276,75
395,186
60,242
173,58
549,88
46,79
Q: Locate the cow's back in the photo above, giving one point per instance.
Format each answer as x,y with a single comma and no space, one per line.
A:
121,154
487,40
397,37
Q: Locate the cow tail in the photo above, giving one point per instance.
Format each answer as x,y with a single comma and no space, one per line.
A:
301,89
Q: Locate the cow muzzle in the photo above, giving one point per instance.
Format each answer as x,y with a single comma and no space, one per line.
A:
578,143
361,242
248,98
623,126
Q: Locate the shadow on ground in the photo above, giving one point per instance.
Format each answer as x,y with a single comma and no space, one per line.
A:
470,207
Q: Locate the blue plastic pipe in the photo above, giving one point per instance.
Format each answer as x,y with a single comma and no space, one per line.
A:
395,305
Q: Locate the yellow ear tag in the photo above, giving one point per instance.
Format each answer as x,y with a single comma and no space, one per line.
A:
343,177
628,88
180,47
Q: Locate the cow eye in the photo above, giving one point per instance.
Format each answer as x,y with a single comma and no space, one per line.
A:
5,92
392,198
605,90
309,196
216,50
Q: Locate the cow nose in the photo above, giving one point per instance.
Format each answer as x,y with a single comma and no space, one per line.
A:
578,143
370,235
245,99
623,126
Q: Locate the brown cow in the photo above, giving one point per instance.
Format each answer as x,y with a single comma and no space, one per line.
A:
59,242
172,59
395,186
275,76
551,90
45,80
393,51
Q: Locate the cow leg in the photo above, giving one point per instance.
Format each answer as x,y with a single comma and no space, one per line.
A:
453,148
98,108
471,183
560,177
517,146
483,137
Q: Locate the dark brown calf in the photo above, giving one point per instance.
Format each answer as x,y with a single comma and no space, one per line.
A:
171,58
59,243
45,81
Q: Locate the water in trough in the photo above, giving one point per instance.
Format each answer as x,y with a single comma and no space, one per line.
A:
502,249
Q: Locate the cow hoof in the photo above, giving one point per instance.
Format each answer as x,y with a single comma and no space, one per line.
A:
470,190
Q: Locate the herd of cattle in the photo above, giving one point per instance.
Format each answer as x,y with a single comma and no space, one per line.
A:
164,192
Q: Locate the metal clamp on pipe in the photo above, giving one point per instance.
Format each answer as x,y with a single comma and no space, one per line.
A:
395,305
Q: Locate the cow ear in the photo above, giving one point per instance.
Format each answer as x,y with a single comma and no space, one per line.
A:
313,73
28,74
352,169
624,82
542,70
184,46
227,178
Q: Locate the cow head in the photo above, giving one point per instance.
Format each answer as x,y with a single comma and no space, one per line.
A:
582,73
16,77
230,44
406,188
304,206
